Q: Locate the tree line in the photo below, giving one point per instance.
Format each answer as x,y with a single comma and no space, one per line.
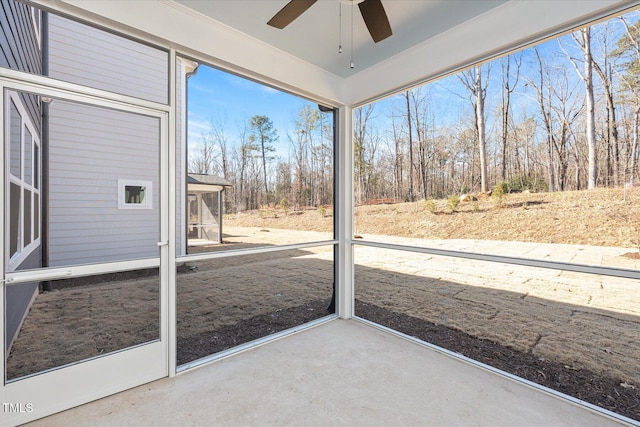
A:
563,115
259,176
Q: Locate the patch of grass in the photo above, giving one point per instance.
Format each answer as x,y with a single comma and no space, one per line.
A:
452,203
429,205
284,205
499,192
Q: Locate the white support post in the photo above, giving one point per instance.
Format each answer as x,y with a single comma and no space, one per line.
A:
171,206
3,250
199,202
344,203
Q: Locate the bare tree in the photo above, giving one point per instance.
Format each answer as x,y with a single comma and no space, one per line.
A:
566,109
630,46
425,136
284,186
307,157
245,155
361,131
473,80
202,157
605,72
559,109
398,168
410,140
543,89
583,40
633,156
325,150
218,137
263,132
507,89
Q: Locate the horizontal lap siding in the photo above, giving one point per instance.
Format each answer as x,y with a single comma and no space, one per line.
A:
18,46
20,49
95,58
90,149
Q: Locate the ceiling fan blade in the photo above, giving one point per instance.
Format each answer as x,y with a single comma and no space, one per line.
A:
376,19
290,12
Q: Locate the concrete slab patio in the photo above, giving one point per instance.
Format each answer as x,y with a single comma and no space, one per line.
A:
341,372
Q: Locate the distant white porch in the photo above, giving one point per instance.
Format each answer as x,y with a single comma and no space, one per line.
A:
205,195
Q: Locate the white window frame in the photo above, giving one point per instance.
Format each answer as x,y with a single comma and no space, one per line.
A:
148,194
24,251
36,21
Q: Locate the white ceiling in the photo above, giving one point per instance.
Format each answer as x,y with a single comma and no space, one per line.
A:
430,37
315,35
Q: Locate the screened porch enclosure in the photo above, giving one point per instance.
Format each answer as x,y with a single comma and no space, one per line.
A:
262,293
205,195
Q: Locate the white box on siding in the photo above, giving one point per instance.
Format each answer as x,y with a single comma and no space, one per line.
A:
91,148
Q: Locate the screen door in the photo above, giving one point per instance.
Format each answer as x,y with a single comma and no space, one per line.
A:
85,233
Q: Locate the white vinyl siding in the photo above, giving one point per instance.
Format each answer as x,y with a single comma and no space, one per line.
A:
91,148
92,57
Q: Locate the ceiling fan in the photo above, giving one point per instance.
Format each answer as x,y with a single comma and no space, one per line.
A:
372,12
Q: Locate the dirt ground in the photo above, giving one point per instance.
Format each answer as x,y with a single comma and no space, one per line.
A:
600,217
572,332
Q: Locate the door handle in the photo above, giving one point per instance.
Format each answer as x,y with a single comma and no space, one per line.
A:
165,243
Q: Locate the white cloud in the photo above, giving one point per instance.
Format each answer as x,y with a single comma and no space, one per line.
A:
199,125
269,90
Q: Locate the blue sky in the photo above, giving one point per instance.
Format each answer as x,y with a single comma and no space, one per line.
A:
216,96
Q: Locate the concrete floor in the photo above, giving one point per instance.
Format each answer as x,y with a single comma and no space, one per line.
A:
342,372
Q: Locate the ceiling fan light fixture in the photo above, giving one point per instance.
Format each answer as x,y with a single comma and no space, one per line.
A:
340,27
351,63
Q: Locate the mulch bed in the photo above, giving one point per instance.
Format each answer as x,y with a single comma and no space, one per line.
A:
606,392
200,345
